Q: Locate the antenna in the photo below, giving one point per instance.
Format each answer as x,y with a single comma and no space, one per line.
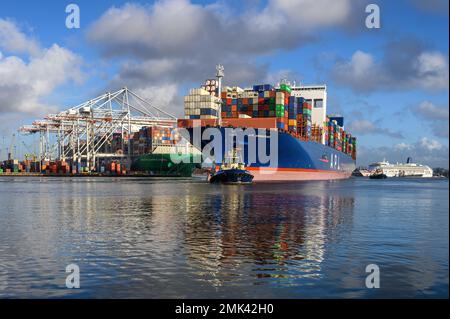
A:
220,74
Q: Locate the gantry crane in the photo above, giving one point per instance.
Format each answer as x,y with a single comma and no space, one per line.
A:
81,132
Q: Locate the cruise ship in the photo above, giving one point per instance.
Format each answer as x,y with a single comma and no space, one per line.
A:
409,169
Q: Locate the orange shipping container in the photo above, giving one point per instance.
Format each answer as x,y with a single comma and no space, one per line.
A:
260,122
256,122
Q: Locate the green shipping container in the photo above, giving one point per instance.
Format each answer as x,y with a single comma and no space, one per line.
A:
280,108
286,88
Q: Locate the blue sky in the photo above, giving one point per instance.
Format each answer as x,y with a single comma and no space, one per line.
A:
391,84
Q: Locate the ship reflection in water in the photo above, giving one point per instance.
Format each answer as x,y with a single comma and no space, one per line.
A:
174,239
279,236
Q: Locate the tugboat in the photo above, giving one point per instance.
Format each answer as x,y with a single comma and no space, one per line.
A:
232,171
378,175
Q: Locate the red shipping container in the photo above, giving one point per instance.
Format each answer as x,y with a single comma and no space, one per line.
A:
256,122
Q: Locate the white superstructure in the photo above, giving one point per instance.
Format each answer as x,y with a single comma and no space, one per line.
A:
316,95
402,170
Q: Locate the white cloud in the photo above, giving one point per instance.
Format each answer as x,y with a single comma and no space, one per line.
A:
432,71
164,97
427,110
435,116
430,144
25,83
403,146
180,41
313,14
366,127
12,40
405,65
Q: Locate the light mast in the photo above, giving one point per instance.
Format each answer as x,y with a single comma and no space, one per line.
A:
219,75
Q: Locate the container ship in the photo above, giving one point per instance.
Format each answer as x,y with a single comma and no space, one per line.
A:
310,144
153,148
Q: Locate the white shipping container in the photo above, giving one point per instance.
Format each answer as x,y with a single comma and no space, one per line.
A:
280,95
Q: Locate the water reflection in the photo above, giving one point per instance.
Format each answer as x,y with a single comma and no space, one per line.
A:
158,238
272,235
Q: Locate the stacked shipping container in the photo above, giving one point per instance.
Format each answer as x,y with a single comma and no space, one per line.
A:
200,104
144,141
292,114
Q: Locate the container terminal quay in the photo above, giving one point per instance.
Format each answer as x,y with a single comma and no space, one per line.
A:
122,134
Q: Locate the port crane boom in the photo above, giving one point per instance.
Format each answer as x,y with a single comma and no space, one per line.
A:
82,132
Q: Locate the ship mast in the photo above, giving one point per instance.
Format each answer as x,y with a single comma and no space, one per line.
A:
220,74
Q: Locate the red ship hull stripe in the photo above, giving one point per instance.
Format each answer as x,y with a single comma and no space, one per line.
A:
294,174
282,169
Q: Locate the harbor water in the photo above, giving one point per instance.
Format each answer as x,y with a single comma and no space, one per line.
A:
183,238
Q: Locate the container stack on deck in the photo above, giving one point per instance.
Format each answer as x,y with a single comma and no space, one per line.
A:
201,104
291,113
144,141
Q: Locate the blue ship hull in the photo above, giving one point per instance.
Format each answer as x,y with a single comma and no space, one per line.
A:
295,159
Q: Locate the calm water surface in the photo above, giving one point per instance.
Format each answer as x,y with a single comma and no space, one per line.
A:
182,238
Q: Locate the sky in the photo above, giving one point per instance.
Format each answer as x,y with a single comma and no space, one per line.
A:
390,83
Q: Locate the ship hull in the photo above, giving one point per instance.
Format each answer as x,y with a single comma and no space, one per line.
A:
231,176
161,164
280,174
296,160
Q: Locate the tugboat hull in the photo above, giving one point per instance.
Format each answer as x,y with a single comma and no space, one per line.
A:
232,176
378,176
